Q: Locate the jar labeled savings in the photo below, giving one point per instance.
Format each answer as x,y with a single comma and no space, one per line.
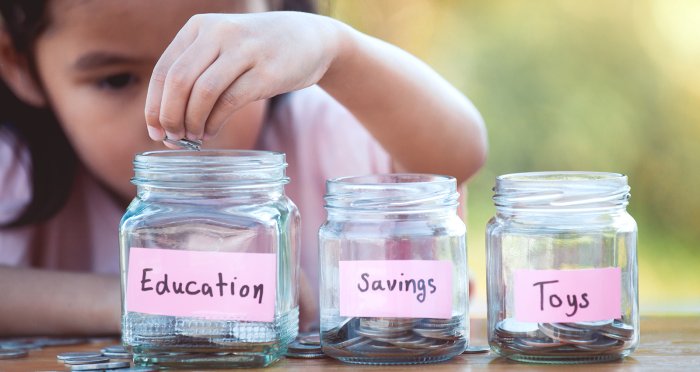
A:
562,268
393,279
209,260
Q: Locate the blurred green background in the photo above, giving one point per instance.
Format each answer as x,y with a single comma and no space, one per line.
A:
574,85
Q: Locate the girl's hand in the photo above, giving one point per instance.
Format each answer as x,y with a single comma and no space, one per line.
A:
218,63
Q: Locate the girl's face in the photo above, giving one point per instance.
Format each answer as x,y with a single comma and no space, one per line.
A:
95,60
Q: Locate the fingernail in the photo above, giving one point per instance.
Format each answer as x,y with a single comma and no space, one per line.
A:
192,137
156,134
172,136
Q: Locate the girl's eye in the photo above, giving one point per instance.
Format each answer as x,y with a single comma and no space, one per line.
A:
115,82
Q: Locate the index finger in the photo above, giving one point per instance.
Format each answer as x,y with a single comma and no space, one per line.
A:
154,96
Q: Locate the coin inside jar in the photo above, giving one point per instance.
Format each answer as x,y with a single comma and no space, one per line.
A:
562,339
395,337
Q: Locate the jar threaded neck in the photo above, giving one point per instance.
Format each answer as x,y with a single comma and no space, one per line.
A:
391,193
210,169
567,192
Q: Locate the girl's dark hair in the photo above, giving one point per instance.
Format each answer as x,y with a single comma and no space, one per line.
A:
53,160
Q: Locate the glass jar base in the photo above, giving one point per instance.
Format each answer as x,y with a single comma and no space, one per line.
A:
171,342
218,360
550,359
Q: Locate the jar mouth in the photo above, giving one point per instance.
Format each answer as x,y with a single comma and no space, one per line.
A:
399,192
563,176
238,158
210,168
563,190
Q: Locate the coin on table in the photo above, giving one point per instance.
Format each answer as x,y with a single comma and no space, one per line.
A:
78,354
114,349
86,360
20,345
298,350
116,352
91,367
476,350
13,354
310,339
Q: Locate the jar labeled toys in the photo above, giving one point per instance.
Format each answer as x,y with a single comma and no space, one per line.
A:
562,268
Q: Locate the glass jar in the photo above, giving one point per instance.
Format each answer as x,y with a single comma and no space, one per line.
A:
562,268
209,260
393,279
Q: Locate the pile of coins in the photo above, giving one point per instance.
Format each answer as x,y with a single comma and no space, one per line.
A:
387,338
562,339
110,358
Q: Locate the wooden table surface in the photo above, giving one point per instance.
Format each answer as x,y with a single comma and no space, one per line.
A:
668,343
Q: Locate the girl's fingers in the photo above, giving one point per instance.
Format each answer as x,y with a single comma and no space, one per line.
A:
179,82
206,92
241,92
154,97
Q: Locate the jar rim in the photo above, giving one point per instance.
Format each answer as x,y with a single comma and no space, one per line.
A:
210,169
223,157
391,193
562,176
564,191
384,179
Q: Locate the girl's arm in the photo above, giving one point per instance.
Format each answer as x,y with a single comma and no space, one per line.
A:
421,120
218,63
41,302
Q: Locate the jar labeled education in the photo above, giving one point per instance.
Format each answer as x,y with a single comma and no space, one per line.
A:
562,268
209,260
393,279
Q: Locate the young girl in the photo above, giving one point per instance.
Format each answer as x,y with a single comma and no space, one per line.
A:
78,73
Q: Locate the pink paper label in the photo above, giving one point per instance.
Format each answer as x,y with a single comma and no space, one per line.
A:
396,288
212,285
585,295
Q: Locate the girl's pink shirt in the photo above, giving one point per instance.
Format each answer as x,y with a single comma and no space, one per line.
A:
321,138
